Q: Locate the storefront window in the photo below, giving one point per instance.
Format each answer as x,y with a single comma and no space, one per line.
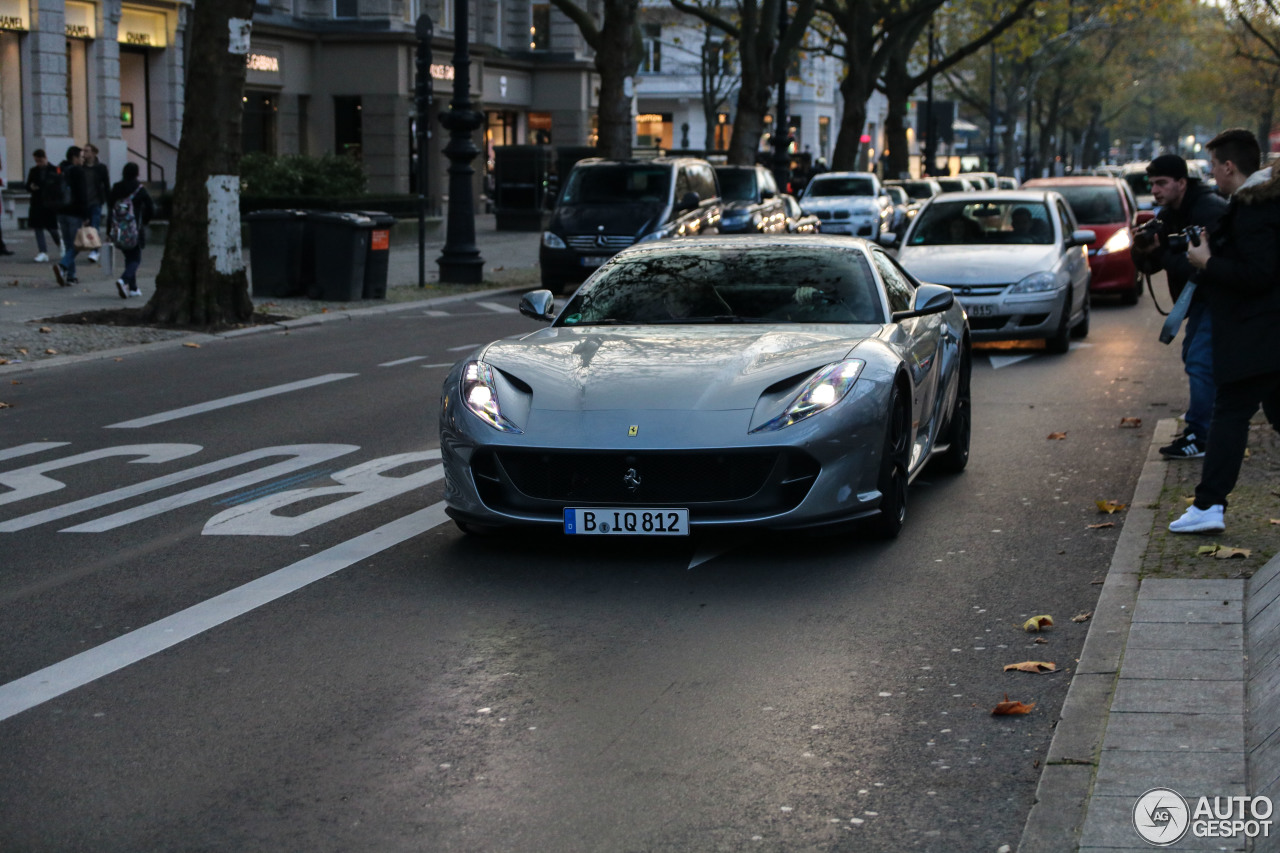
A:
724,131
540,128
258,127
653,130
348,128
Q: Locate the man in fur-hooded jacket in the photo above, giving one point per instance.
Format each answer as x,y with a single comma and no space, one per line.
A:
1240,273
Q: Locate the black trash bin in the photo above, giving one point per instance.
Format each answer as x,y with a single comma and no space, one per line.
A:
276,252
379,257
341,247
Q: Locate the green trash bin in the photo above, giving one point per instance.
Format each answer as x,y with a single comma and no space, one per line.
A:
341,248
379,258
276,252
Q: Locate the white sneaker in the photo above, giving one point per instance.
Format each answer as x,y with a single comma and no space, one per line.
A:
93,256
41,258
135,292
1196,520
121,289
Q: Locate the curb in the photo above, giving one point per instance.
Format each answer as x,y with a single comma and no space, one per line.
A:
283,326
1066,783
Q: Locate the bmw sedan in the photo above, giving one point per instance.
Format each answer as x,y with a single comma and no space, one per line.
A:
1015,258
778,382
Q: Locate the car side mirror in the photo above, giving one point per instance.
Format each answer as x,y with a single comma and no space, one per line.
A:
538,304
689,201
1081,237
887,238
930,299
767,194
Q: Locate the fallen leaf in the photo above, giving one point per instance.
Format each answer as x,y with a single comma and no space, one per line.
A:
4,361
22,350
1101,524
193,346
1036,666
45,330
1130,423
1007,708
1056,436
5,406
1082,617
51,351
324,310
119,359
1222,552
1275,521
1035,623
1110,506
1042,641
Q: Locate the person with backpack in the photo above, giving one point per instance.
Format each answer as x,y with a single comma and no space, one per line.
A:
42,216
68,191
129,209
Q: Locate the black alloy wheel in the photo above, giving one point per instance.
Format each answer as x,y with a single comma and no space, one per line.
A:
1061,340
893,469
954,459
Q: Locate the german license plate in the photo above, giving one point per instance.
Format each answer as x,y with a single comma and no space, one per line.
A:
980,310
608,521
593,260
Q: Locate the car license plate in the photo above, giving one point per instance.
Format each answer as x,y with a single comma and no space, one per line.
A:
593,260
980,310
628,522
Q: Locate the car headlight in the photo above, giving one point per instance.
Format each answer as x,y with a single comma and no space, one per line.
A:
651,236
552,240
1038,282
823,390
1117,242
480,396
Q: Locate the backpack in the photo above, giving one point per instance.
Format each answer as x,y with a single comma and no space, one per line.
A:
55,191
124,223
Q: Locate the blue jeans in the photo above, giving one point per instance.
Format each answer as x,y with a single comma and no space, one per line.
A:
132,260
68,225
1197,358
95,219
40,241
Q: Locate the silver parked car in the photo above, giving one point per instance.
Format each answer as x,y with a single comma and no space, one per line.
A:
852,203
1015,258
777,382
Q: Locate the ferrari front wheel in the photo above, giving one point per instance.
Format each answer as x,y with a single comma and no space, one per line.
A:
893,470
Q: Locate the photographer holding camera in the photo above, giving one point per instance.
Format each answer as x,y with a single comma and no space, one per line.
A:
1184,202
1238,268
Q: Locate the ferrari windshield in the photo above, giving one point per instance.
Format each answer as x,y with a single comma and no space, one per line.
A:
951,223
729,285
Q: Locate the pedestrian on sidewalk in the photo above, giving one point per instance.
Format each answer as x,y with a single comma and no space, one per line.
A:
97,187
1239,269
73,212
129,209
41,214
4,250
1183,201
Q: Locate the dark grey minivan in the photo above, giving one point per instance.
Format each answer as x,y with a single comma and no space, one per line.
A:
607,205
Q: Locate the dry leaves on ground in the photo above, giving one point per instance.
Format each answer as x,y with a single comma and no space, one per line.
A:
1007,708
191,345
1100,525
1036,623
1110,506
1222,552
1036,666
1130,423
1056,436
1082,617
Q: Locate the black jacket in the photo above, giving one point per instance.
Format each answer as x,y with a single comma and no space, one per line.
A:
38,215
1242,281
143,207
75,176
1200,206
97,182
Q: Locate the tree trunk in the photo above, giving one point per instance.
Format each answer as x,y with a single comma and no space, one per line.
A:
849,139
755,89
202,280
897,89
618,54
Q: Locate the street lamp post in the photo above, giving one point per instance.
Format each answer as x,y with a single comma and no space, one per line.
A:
993,152
460,261
422,125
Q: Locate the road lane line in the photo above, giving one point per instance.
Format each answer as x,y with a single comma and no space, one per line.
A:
449,364
461,348
27,449
400,361
88,666
498,307
234,400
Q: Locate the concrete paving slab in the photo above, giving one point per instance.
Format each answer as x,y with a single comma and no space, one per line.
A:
1195,664
1080,729
1263,588
1178,696
1166,635
1263,692
1142,731
1192,774
1110,825
1056,818
1182,611
1186,588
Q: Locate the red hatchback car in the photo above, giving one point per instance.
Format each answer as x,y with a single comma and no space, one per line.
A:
1105,206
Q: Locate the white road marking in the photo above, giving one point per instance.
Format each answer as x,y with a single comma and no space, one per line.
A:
28,449
400,361
434,313
498,307
303,456
463,347
234,400
53,681
449,364
999,361
31,481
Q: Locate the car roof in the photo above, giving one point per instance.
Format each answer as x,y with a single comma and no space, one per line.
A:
655,161
1073,181
734,241
828,175
977,196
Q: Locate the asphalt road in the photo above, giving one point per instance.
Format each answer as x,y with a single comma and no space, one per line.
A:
209,645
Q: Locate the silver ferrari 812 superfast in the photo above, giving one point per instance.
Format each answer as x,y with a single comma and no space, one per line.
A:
775,382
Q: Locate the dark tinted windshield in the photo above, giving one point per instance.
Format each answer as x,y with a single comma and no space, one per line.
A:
706,285
961,223
1094,205
737,184
952,185
1138,182
821,187
616,183
917,189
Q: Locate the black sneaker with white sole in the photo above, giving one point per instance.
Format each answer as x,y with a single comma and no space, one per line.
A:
1186,446
121,289
60,274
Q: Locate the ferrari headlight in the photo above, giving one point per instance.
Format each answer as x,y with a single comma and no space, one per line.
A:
552,240
823,390
1036,283
1117,242
480,396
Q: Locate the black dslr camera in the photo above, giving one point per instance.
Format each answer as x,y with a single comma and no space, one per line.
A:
1144,236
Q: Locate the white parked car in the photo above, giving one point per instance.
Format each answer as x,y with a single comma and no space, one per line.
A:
852,203
1015,260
